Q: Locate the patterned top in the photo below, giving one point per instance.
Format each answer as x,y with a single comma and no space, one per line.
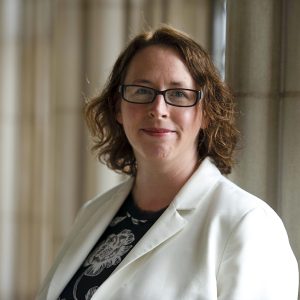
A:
124,231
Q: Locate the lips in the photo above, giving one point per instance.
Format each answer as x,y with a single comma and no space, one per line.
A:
157,131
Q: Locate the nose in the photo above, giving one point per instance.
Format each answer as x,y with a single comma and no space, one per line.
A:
158,108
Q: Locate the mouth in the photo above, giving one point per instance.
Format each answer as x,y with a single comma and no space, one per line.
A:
160,132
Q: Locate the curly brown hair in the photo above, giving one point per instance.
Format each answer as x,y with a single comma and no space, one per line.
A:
217,140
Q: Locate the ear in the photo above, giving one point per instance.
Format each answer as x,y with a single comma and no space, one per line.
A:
119,117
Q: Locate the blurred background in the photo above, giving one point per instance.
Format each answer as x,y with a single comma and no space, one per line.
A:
56,53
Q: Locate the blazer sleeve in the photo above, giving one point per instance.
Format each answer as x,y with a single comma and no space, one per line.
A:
257,262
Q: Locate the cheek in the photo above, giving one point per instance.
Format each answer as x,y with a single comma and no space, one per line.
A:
129,113
128,116
191,120
199,119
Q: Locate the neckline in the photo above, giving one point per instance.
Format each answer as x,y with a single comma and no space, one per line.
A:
139,213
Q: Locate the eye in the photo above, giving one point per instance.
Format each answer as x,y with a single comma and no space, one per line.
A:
178,94
142,91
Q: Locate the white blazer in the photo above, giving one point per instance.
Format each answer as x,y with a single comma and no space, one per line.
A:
214,241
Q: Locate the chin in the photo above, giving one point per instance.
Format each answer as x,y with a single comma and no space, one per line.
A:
155,156
159,153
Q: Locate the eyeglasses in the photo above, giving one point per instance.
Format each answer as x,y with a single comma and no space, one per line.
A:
139,94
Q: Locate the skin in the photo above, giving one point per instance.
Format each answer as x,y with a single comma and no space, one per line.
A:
163,137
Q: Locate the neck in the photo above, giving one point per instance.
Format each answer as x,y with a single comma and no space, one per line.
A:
156,186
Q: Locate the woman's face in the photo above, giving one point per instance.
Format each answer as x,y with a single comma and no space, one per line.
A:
159,132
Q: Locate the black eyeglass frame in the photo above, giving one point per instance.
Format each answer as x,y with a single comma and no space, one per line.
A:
122,88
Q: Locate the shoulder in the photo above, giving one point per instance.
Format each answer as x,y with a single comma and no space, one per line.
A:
212,189
254,239
229,195
238,208
245,212
251,225
228,204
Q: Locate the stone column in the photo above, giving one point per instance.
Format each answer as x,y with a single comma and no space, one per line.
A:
9,83
49,174
263,67
192,16
104,39
253,71
289,197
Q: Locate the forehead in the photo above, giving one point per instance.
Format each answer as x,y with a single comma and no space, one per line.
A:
153,53
157,62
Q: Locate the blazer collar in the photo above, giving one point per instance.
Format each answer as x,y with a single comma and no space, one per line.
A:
198,185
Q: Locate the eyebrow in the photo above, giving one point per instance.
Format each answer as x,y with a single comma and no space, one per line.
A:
141,81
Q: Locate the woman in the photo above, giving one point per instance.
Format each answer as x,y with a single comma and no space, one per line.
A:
177,229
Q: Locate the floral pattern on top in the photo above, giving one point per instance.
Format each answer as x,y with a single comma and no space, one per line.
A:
134,221
117,220
109,252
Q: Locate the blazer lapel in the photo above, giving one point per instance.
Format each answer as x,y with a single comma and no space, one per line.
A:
165,228
92,228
